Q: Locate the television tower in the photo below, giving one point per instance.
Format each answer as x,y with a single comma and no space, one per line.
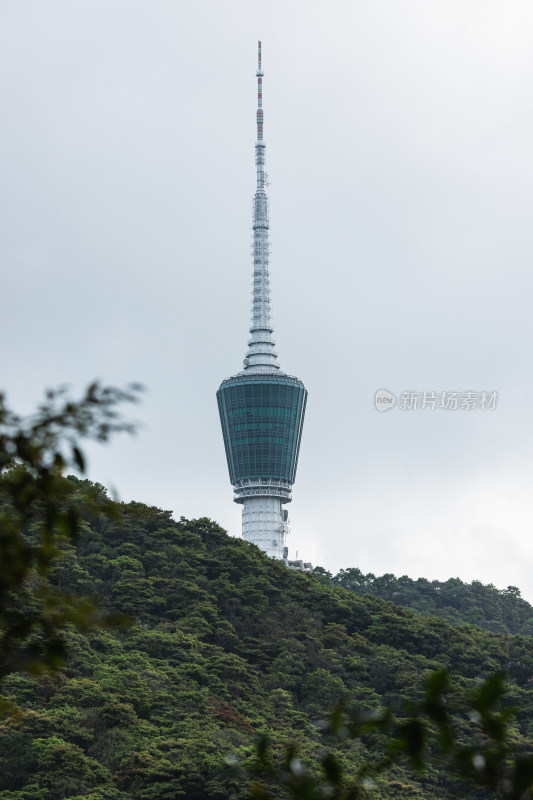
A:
261,408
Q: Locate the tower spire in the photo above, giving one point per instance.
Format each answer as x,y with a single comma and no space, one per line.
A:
261,355
259,94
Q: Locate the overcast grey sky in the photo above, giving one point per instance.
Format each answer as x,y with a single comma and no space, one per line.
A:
399,146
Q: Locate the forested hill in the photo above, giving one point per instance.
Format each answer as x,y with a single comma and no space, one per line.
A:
227,645
492,609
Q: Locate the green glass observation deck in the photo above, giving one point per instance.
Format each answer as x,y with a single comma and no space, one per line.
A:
262,417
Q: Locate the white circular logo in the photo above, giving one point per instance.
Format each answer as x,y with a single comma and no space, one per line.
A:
384,400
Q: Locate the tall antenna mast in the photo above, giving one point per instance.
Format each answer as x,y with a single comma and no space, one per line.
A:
261,355
259,94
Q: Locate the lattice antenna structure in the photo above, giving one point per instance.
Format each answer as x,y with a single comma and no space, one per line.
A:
261,355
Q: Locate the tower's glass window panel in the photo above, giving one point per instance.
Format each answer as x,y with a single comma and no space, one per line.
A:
261,422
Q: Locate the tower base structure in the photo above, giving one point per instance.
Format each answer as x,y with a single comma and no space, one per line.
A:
264,520
265,524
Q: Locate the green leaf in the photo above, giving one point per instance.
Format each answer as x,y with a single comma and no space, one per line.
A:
78,457
411,741
489,693
522,775
332,769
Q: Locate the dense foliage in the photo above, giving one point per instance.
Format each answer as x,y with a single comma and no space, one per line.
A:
228,645
491,609
34,453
